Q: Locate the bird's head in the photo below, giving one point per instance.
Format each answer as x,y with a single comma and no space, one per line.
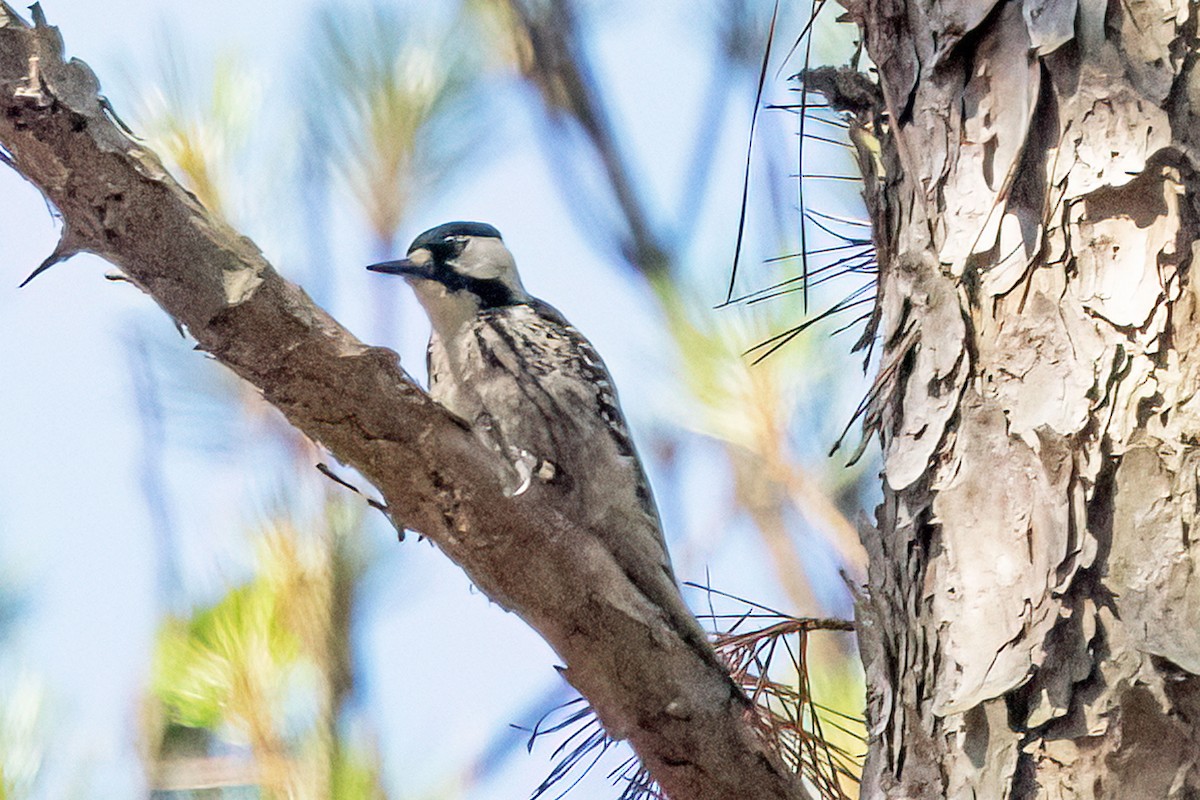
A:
457,263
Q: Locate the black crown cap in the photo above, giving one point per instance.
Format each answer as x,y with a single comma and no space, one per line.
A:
435,236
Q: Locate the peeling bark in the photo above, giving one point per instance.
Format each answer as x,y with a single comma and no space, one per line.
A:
1032,625
692,729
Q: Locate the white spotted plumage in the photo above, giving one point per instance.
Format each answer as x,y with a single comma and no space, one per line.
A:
534,389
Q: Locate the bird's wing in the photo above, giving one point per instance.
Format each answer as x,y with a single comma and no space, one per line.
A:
569,405
548,391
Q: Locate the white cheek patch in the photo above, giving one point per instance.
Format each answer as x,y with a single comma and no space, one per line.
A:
486,259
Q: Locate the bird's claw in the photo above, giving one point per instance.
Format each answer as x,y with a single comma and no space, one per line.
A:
528,467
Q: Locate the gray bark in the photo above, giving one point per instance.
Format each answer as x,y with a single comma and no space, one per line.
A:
1032,623
693,732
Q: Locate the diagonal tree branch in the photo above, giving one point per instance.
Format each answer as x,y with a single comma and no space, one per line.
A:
693,731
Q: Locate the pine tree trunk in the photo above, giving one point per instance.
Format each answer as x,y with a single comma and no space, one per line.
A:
1032,624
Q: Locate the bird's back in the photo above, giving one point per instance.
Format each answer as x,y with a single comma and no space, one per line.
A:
526,379
529,383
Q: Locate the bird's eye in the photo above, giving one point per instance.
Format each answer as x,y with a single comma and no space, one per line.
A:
455,244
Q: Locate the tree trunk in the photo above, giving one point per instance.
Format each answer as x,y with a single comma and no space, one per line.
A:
1032,624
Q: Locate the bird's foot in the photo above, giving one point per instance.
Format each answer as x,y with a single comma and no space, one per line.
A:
528,467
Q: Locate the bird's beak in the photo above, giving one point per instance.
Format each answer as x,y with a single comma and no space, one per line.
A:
405,266
419,264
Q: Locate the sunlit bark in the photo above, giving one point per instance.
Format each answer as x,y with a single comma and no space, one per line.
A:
1032,627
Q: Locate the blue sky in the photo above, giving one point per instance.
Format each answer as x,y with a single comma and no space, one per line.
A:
75,538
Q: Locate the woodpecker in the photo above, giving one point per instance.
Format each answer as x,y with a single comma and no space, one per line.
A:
535,390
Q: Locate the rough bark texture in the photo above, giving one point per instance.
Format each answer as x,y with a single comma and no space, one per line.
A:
1032,627
693,731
